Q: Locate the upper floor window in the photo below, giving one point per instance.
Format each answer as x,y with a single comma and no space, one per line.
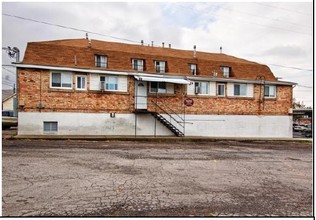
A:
202,88
109,83
225,71
159,87
138,64
240,89
61,80
101,61
270,91
81,82
160,66
193,69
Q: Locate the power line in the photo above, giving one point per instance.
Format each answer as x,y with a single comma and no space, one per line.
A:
309,87
70,28
257,24
286,9
275,19
291,67
8,70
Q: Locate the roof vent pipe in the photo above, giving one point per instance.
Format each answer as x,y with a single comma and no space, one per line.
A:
152,43
220,49
169,45
194,51
142,42
163,44
87,37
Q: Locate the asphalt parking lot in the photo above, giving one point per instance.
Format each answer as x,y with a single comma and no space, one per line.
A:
116,178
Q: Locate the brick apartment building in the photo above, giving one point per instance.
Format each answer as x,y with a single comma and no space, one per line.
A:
91,87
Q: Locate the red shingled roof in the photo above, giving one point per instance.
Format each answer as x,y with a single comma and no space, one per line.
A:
65,52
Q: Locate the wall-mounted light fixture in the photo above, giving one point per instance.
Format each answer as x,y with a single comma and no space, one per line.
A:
112,114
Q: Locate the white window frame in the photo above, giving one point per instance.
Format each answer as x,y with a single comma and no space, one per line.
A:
193,68
85,82
226,71
159,89
217,89
51,130
103,61
242,88
139,64
108,83
62,80
162,66
200,84
271,90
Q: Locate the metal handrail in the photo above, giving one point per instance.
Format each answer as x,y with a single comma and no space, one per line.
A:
168,114
172,111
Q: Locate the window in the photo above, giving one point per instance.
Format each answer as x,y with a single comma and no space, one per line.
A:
240,89
138,64
225,71
100,61
160,66
269,91
109,82
202,88
50,127
61,80
193,69
81,82
159,87
221,89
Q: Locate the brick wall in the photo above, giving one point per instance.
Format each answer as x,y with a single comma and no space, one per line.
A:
34,89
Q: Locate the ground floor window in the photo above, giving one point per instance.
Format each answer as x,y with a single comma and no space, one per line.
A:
221,89
202,88
240,89
109,83
61,80
50,127
159,87
81,82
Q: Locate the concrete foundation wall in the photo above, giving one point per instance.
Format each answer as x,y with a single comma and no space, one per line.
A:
31,123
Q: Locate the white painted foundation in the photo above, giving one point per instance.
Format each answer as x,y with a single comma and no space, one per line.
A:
31,123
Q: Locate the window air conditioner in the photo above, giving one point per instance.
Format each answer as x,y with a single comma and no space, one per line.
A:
102,85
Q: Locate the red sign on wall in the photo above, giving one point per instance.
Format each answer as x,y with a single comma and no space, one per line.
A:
188,102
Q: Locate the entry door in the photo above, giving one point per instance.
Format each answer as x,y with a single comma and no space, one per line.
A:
140,95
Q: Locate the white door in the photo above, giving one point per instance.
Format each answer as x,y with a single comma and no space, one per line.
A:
140,95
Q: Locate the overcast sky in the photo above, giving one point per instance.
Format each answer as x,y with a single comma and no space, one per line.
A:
276,34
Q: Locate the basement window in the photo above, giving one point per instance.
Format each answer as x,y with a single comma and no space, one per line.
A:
269,91
50,127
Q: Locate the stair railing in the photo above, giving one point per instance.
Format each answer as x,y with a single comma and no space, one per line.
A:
180,123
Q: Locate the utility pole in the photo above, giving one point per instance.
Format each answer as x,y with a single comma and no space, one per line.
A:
14,52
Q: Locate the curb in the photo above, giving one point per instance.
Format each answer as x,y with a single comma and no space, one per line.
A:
153,139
